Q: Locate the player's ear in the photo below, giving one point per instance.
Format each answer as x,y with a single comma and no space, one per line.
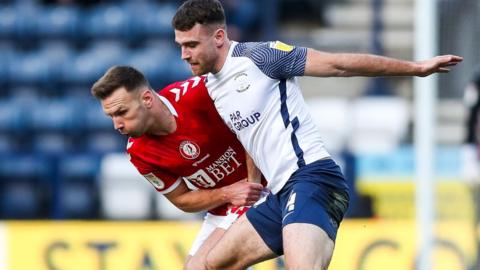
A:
147,98
219,36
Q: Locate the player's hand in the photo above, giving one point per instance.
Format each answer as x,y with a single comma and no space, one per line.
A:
243,193
438,64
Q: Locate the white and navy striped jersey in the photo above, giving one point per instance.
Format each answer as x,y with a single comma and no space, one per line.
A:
257,95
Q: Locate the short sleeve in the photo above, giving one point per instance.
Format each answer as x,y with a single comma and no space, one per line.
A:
161,180
275,59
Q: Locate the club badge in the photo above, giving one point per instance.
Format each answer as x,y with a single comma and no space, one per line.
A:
242,81
189,150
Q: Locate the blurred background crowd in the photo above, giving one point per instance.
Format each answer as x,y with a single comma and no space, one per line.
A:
60,157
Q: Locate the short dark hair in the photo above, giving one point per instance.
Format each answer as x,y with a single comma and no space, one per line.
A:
117,77
204,12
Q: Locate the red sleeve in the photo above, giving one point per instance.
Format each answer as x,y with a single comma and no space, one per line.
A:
162,181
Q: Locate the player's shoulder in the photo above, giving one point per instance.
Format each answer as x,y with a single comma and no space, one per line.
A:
249,49
184,90
192,82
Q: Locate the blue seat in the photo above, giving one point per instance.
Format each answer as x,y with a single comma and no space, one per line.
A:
105,142
55,115
59,21
78,200
51,143
56,55
30,68
106,22
25,24
95,119
78,193
7,56
25,187
8,22
179,69
89,65
12,116
8,144
19,200
154,61
152,21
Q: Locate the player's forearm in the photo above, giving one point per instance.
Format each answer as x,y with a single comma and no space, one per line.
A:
201,200
323,64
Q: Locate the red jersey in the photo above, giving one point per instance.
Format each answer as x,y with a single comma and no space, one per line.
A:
202,151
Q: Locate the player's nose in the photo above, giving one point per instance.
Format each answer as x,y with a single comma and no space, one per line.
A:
185,53
118,124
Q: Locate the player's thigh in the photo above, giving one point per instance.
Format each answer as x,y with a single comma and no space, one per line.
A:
210,223
240,246
197,261
306,246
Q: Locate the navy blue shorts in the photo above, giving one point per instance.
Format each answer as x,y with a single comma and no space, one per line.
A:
316,194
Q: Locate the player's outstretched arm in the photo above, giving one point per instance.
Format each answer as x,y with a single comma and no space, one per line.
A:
323,64
239,194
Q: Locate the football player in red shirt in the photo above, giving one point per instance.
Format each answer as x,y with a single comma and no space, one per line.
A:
177,136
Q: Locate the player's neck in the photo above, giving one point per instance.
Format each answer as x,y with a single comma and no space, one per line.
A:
222,56
163,121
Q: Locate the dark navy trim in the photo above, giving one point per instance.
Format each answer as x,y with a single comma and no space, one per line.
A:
283,100
286,121
296,146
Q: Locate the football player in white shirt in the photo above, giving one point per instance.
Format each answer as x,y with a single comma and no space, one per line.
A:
255,91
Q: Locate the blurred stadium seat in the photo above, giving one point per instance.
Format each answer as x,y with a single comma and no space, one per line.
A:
95,118
167,210
19,201
104,142
55,115
55,55
179,69
29,68
58,22
8,22
87,66
7,54
78,192
26,20
12,116
332,117
155,61
8,144
125,194
25,187
379,124
106,22
152,20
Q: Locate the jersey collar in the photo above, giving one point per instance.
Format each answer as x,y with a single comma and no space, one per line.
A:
168,104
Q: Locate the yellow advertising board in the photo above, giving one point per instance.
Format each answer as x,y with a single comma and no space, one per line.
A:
393,245
395,198
361,244
100,245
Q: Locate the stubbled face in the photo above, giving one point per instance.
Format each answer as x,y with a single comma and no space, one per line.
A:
199,48
127,112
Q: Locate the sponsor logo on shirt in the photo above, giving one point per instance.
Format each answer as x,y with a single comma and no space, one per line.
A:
154,180
223,166
241,79
239,122
189,149
281,46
